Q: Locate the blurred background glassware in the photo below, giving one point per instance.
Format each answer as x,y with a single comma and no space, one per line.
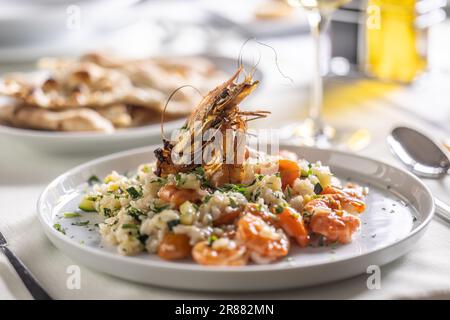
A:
33,28
379,39
397,48
386,39
312,131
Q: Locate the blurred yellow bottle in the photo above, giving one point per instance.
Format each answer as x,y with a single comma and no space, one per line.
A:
395,48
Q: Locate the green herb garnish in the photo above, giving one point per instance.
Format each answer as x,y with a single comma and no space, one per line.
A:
71,215
143,238
279,209
207,198
129,226
234,188
58,227
306,173
134,193
200,172
259,177
107,212
173,223
233,203
179,180
318,188
157,209
306,214
211,239
80,223
134,212
158,180
93,180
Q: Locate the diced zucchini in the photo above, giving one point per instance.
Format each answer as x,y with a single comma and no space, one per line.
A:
323,175
87,205
187,213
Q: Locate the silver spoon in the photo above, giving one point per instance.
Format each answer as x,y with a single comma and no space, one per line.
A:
423,157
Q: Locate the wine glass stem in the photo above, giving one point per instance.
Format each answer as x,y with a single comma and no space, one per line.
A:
317,22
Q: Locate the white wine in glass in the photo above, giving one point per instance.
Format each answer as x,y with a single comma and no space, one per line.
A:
312,131
321,5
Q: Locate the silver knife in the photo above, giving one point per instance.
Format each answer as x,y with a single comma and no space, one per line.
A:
28,279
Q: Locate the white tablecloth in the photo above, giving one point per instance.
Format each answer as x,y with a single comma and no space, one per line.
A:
424,272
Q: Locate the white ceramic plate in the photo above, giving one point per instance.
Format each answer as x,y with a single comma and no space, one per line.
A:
399,208
91,142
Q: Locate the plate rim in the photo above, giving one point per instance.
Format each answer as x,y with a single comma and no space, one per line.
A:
127,133
220,269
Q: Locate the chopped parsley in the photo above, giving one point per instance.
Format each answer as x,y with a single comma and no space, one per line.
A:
200,172
134,193
71,215
289,191
129,226
158,180
58,227
107,212
173,223
307,173
234,188
80,223
93,180
233,203
256,195
306,214
134,212
180,181
157,209
211,239
279,209
318,188
207,198
143,238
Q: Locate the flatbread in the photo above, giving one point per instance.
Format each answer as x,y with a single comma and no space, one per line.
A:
81,119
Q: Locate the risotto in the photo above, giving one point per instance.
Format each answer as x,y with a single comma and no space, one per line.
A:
182,215
236,207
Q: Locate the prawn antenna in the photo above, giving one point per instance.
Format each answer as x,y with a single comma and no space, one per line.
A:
276,60
168,101
241,53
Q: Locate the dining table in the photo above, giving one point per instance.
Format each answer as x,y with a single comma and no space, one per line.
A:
351,101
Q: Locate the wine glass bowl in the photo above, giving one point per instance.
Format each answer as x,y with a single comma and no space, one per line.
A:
313,131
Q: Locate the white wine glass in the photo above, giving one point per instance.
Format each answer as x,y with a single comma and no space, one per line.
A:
313,131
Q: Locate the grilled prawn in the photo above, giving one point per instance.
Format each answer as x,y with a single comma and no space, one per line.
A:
218,112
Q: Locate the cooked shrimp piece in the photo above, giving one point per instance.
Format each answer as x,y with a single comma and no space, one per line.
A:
322,204
289,171
174,246
335,227
349,199
264,242
256,210
176,196
227,217
292,223
222,252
